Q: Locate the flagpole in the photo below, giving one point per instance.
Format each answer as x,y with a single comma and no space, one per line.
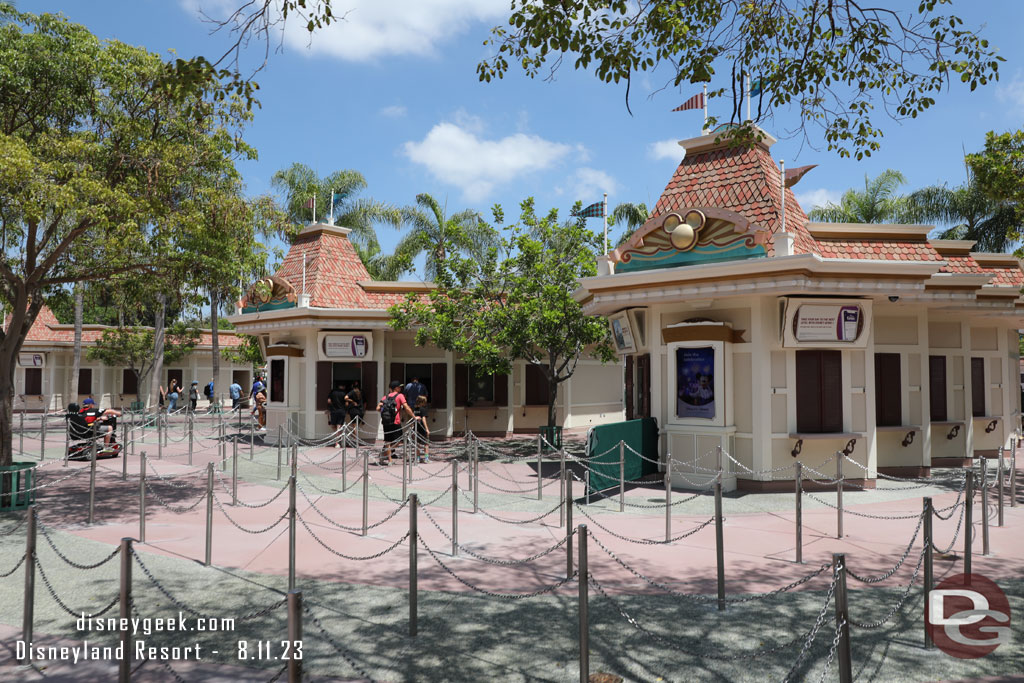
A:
314,207
746,79
332,206
705,109
604,214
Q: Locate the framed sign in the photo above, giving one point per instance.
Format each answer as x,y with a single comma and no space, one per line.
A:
31,360
696,386
826,323
622,333
344,346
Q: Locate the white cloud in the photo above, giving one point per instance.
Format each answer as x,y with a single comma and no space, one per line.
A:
395,111
1012,92
587,184
458,155
666,149
819,197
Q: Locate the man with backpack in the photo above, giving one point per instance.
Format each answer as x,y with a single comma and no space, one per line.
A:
208,393
391,408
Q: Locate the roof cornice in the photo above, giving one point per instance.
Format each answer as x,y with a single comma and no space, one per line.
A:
853,231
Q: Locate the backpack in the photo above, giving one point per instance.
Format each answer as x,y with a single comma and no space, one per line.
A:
208,390
389,410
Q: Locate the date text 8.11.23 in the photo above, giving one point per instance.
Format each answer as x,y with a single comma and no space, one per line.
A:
266,649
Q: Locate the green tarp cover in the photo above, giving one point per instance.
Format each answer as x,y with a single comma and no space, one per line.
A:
603,451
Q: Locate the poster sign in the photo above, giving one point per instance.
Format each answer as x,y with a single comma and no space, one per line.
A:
695,382
622,333
31,360
345,346
815,323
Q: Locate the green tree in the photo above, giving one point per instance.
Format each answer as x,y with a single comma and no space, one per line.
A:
132,347
878,203
835,62
381,266
247,353
999,168
498,309
434,234
969,214
630,215
97,139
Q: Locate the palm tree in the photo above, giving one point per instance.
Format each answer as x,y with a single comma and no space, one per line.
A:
631,215
434,234
970,214
300,184
384,267
878,203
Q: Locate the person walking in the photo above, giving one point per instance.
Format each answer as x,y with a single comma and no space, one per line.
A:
422,429
355,409
392,406
336,412
193,396
208,392
172,396
235,392
413,390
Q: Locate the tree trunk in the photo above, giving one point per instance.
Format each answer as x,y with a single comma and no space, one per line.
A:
23,314
76,362
214,334
158,349
7,411
552,398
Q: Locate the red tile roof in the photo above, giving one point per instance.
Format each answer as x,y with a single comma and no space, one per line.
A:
895,250
47,328
744,180
1002,275
333,273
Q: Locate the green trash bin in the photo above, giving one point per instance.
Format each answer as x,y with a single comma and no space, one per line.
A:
17,486
553,435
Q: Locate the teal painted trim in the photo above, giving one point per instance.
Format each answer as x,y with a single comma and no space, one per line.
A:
672,259
272,306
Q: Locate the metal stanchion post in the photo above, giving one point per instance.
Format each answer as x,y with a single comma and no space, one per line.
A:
222,447
839,494
67,441
1000,473
344,463
280,447
406,465
842,618
476,479
569,531
142,497
29,603
584,584
124,458
414,502
561,487
124,667
540,455
209,513
160,428
366,488
968,523
455,508
294,464
928,573
668,498
622,475
798,487
234,472
291,533
586,485
42,435
984,507
294,635
719,542
92,480
190,425
21,430
252,440
1013,472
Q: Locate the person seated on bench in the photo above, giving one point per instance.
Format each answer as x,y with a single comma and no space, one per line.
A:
104,421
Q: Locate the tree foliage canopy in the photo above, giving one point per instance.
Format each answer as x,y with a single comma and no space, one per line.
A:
433,233
879,202
516,302
132,347
835,61
999,168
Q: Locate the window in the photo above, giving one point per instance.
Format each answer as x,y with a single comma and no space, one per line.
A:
536,385
937,388
888,391
480,387
277,381
474,388
85,381
819,392
129,382
34,381
175,374
978,387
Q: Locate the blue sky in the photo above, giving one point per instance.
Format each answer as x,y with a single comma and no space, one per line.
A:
392,92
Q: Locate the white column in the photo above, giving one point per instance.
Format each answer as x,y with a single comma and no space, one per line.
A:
309,403
926,389
449,405
965,349
762,341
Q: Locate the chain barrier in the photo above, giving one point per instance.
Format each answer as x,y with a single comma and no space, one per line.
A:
251,506
493,594
53,594
651,506
896,567
338,649
847,510
645,541
254,532
956,534
170,480
345,526
832,651
553,510
330,492
490,560
46,536
352,557
813,632
958,502
16,567
899,603
176,509
15,527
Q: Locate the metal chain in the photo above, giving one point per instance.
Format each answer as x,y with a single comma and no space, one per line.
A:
500,563
506,596
167,665
645,541
15,527
169,480
706,598
242,528
352,557
338,649
886,575
959,497
513,521
53,594
16,567
346,527
813,632
832,651
860,514
325,491
651,506
956,534
67,560
176,509
251,506
278,674
899,604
